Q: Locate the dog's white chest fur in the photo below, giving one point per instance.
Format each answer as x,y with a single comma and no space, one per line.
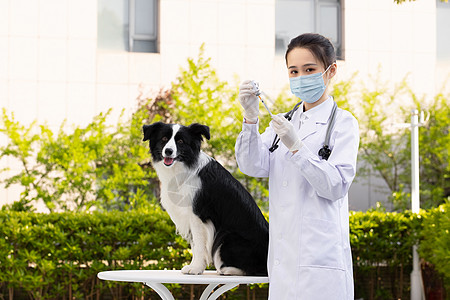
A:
179,185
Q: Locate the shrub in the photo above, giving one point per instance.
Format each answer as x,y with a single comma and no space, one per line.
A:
382,252
58,255
435,245
97,165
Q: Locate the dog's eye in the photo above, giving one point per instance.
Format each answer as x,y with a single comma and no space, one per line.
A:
164,139
180,142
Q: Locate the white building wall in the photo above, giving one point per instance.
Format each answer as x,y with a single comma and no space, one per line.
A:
239,36
51,69
401,39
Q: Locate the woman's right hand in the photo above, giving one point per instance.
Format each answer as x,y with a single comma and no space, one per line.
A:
249,101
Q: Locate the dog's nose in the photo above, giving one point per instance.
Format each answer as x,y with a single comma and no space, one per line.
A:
168,151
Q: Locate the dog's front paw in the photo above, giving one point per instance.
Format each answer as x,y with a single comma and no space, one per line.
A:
193,270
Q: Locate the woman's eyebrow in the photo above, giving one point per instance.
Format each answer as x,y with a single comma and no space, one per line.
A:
305,65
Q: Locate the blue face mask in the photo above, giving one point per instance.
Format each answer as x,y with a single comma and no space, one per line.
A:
309,88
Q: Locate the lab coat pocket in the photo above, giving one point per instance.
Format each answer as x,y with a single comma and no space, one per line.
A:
317,283
320,244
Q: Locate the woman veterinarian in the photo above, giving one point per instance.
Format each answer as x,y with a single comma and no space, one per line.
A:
309,249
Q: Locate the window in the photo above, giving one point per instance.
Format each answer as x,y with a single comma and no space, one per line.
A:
128,25
442,30
294,17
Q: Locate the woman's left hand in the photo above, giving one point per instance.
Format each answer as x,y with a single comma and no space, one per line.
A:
286,132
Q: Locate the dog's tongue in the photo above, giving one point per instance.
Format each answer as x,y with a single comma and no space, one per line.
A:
168,161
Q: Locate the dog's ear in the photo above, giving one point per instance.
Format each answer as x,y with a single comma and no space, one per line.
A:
200,130
150,129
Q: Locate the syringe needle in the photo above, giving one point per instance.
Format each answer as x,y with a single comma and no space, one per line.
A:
258,93
270,113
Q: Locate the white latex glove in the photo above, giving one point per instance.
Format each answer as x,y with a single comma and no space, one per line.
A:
249,101
286,132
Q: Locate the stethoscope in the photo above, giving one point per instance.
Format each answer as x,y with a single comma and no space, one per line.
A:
325,151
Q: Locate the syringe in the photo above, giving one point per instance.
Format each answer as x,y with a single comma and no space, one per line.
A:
258,94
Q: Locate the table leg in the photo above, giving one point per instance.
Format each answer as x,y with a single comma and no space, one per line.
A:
162,291
208,291
222,289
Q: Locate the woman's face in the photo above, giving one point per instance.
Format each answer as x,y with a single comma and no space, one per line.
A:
301,61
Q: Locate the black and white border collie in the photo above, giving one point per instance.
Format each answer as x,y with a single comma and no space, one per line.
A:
209,207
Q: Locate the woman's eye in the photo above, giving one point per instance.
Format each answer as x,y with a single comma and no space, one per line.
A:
294,72
164,139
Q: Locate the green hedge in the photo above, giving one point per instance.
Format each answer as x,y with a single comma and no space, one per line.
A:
382,253
435,242
58,255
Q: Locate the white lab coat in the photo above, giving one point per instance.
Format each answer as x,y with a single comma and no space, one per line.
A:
309,247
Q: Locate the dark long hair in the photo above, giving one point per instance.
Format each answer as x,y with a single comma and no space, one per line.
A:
320,47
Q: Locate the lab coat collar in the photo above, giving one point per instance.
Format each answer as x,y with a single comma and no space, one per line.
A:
320,113
316,115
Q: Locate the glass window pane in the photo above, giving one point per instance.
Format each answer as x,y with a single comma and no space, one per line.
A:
113,24
292,18
328,22
443,30
145,17
144,46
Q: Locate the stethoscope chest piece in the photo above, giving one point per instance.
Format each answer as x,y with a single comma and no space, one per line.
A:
325,152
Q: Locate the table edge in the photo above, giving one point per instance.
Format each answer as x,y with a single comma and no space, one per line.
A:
177,277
